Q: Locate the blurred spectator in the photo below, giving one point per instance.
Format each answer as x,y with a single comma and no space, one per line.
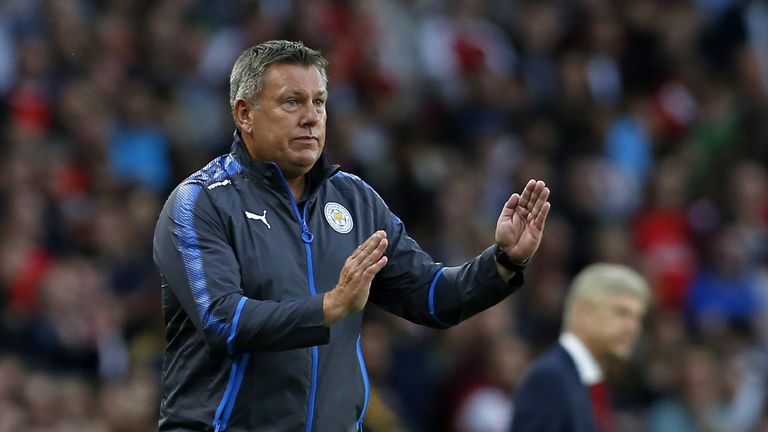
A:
722,294
382,404
701,403
664,238
485,403
565,388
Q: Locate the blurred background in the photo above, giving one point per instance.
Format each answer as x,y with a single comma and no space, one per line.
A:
648,119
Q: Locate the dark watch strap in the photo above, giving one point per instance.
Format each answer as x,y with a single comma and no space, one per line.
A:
506,262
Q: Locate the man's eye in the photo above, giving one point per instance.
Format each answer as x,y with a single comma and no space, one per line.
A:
292,102
319,102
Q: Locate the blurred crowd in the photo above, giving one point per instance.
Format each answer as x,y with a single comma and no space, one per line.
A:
648,119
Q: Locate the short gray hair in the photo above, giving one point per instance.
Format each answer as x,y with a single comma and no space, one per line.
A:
596,281
247,78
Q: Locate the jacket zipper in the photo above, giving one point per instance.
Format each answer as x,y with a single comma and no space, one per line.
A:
224,409
306,238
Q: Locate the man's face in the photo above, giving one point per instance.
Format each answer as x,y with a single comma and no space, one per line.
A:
613,325
288,125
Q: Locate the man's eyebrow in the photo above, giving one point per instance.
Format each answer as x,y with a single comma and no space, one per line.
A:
302,91
298,92
294,91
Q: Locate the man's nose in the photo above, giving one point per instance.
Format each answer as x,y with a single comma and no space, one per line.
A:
634,325
310,116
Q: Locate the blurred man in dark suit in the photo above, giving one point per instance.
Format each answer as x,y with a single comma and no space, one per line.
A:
564,389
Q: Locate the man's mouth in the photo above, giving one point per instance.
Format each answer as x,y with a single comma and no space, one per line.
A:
307,138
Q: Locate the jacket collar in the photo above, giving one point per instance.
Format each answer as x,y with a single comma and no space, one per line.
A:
270,172
586,364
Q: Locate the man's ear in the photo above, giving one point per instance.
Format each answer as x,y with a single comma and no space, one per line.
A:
242,113
581,310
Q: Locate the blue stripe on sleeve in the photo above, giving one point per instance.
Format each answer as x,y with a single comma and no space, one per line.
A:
233,328
189,247
432,297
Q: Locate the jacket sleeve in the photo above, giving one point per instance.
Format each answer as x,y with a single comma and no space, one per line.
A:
199,266
415,287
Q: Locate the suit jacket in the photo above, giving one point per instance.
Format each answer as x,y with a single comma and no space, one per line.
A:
552,397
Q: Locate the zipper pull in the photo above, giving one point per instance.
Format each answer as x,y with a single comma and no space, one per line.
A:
306,234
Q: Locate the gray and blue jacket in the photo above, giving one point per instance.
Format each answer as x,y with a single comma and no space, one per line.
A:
244,268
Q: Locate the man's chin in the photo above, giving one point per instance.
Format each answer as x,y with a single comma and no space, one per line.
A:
622,354
306,156
299,166
306,163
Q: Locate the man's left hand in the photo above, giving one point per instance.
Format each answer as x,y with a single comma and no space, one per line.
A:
521,223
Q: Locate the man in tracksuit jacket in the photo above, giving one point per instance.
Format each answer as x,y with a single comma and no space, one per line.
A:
269,254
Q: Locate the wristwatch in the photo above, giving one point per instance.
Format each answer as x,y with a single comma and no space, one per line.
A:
506,262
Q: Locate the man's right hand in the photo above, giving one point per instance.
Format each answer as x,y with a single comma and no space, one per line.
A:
351,293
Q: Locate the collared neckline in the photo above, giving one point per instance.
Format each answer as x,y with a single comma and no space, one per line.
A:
589,370
268,170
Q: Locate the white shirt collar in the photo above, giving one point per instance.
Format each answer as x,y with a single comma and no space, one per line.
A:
589,371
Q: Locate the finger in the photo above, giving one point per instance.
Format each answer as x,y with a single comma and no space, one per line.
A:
526,195
355,254
512,201
369,243
359,249
539,203
541,218
377,253
369,246
371,271
538,188
372,242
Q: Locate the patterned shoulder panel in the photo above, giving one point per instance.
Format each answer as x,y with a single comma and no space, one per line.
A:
217,173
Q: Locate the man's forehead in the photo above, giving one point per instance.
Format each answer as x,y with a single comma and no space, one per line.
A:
286,77
625,299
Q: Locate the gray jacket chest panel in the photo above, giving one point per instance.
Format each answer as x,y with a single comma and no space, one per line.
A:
265,235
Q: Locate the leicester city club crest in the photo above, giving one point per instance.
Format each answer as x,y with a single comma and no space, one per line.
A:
338,217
